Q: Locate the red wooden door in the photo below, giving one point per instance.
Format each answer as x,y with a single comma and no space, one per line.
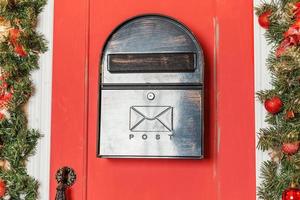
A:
224,29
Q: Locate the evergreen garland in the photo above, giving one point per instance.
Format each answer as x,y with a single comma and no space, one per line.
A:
281,139
20,47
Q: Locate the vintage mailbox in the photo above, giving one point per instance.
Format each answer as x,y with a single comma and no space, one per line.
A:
151,98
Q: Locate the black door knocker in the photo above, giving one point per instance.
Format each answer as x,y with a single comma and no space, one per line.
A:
65,178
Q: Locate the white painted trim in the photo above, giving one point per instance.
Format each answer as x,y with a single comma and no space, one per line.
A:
39,110
262,80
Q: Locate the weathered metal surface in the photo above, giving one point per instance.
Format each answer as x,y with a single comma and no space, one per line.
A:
168,126
153,35
152,91
65,178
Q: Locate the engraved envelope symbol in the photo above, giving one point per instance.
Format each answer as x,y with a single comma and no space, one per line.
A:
151,119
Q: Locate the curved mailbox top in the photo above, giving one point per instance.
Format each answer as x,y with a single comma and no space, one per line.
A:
152,50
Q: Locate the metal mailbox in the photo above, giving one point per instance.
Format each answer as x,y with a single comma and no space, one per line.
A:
151,98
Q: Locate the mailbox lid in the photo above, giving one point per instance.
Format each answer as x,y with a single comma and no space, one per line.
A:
152,50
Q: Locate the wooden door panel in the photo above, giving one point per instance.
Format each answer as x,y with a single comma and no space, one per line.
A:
224,29
68,134
151,179
235,100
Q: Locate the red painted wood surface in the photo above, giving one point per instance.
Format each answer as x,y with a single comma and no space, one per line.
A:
235,101
224,28
68,135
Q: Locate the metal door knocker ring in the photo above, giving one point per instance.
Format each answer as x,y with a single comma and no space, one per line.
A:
66,175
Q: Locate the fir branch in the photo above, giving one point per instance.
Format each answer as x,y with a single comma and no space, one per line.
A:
17,141
284,127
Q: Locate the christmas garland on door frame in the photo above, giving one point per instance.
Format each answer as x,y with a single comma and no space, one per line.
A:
281,174
20,47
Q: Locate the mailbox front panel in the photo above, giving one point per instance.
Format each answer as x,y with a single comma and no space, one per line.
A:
151,123
151,91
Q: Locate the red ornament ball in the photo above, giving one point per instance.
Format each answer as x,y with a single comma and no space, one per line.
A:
2,188
290,148
273,105
264,19
291,194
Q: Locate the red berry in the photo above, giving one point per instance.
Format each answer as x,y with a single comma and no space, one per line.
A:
14,35
2,188
3,104
290,148
2,116
273,105
8,96
289,114
5,99
264,19
3,88
19,49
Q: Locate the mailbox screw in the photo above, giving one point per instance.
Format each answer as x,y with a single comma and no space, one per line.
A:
151,96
